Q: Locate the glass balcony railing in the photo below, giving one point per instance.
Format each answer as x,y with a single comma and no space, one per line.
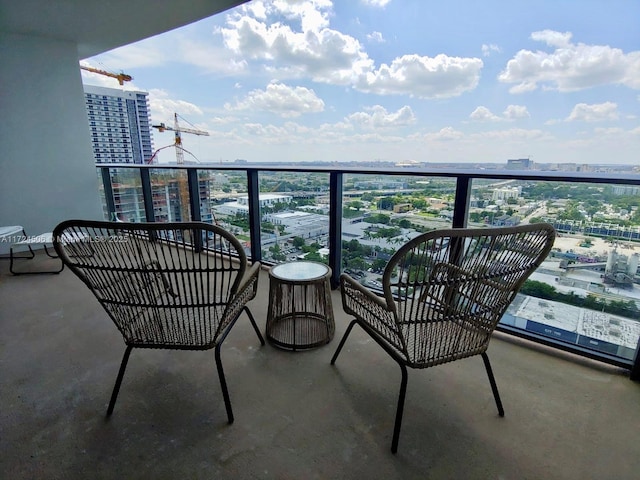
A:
585,298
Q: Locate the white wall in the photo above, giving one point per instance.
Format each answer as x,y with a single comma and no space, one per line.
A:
47,172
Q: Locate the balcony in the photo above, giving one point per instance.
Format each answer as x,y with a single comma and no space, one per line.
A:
567,416
296,416
137,193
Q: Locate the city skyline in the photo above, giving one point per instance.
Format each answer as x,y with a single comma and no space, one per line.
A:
397,82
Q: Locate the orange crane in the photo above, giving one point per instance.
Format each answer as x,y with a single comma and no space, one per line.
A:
178,130
121,77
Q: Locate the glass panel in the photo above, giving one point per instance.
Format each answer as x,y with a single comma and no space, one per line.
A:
586,292
294,210
103,200
381,213
170,193
127,195
227,194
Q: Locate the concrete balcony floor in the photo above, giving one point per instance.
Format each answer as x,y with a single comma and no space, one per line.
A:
295,415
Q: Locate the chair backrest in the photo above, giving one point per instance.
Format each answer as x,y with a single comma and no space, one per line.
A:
164,284
449,288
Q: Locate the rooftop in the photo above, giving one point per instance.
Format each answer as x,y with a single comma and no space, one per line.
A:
296,416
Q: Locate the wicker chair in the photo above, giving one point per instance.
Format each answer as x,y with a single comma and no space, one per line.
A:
444,293
164,285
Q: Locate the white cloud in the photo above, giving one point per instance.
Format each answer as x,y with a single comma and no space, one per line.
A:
376,3
599,112
163,107
515,112
513,135
552,38
512,112
570,66
210,58
489,49
380,118
182,47
281,100
425,77
323,54
146,53
326,55
446,134
375,37
483,114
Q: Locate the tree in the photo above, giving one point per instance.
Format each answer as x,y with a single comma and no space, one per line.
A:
378,218
298,242
356,263
475,217
356,204
386,203
277,254
378,265
314,256
538,289
367,197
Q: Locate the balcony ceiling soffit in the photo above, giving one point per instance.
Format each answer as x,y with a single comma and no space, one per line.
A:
97,26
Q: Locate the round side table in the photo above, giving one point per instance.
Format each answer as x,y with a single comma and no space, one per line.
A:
300,312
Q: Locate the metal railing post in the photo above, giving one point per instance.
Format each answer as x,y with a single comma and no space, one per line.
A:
194,204
147,195
335,227
194,194
108,192
253,192
461,202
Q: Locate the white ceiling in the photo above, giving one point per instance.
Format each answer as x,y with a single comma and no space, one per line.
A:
97,26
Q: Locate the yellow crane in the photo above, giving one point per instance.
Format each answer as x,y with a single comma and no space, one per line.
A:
182,185
178,130
121,77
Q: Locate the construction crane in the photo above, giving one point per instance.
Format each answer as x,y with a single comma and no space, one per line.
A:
182,185
121,77
178,130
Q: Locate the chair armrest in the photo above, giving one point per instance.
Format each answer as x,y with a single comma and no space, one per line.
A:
246,292
250,279
348,283
371,310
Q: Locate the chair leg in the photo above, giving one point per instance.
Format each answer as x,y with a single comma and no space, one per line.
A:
399,409
31,255
344,339
116,388
253,322
223,384
492,381
13,256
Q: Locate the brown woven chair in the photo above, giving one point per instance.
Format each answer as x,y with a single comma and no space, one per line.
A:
444,293
164,285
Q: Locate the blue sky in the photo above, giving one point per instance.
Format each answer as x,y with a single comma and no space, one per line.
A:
397,80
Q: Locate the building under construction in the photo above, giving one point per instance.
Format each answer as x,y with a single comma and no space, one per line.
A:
120,128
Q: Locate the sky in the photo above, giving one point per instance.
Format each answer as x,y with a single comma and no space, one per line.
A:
396,81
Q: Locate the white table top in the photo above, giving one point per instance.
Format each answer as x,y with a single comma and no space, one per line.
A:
299,270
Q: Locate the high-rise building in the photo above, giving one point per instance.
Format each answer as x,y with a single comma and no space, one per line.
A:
119,124
121,133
